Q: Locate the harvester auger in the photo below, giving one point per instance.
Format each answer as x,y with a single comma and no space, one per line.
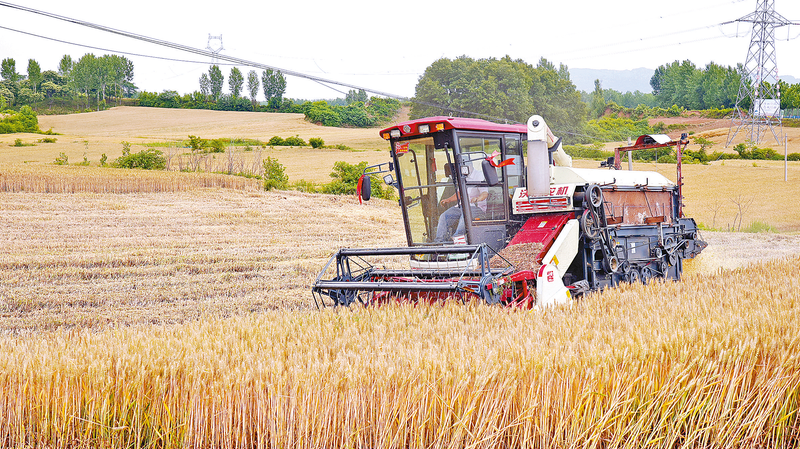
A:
497,212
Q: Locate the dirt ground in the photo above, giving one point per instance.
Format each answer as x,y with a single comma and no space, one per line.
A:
731,250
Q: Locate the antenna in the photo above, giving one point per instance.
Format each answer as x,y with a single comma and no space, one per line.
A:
759,82
214,50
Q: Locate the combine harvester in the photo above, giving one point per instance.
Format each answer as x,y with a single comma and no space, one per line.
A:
497,212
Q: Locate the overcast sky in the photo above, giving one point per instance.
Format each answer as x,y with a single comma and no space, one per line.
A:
386,46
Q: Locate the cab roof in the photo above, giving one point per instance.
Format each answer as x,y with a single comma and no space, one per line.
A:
411,127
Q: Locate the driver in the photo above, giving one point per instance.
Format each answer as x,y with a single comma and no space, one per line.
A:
477,203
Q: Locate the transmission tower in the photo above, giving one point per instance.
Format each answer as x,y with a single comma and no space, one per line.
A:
759,81
216,49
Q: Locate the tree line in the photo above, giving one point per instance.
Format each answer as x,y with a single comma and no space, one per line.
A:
507,89
211,96
357,109
89,82
712,87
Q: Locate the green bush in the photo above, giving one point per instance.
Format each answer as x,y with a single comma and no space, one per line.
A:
305,186
274,175
320,112
217,145
276,141
149,159
356,114
62,159
295,141
668,159
345,181
24,121
316,142
593,152
197,144
611,128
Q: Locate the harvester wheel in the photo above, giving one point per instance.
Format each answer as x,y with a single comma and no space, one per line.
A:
590,224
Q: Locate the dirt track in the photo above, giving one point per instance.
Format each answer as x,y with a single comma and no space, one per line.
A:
730,250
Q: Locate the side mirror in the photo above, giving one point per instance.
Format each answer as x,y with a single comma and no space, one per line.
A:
366,188
489,173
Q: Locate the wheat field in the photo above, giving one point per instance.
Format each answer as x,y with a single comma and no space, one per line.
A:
708,362
167,310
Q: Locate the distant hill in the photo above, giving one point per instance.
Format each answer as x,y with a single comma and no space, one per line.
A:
619,80
789,79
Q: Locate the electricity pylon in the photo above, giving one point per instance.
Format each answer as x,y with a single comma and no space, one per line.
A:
759,82
216,49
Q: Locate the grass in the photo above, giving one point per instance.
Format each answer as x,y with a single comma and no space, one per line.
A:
711,367
758,226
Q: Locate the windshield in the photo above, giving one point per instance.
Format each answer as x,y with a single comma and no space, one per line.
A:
427,181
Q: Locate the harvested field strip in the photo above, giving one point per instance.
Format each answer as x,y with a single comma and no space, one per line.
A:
709,362
73,179
101,259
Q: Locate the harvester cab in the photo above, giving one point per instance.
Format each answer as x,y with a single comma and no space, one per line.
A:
496,212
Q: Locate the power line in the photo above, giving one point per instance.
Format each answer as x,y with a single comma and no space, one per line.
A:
105,49
232,60
197,51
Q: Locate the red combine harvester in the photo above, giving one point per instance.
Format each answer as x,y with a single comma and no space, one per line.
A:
497,212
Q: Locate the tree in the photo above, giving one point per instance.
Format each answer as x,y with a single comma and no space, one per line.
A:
91,75
235,82
65,66
82,80
8,70
657,79
274,86
205,85
217,80
354,96
503,89
34,74
120,72
252,87
598,104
